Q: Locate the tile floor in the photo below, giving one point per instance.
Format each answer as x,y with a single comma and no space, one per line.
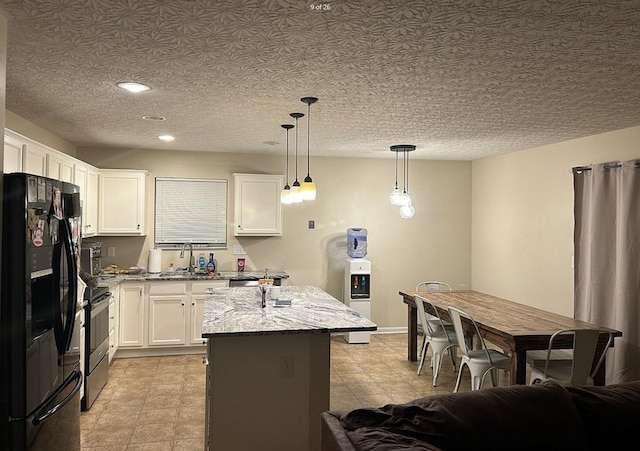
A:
157,403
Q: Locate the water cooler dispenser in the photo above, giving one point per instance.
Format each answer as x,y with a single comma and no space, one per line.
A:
357,281
357,294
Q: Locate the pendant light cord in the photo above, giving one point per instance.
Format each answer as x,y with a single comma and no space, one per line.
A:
287,165
405,171
296,150
308,135
396,170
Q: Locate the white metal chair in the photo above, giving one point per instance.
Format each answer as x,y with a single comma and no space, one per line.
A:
577,370
434,285
441,339
480,361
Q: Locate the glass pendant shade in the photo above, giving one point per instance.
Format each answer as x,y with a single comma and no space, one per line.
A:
308,189
404,199
395,195
407,211
296,194
285,195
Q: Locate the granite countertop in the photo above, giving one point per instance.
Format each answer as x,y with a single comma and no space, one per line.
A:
238,311
185,275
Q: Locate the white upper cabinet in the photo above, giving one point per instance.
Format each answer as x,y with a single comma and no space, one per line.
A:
34,159
257,208
92,202
122,202
86,177
13,149
60,167
22,154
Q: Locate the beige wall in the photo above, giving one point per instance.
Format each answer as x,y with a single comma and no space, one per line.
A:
27,128
522,218
435,244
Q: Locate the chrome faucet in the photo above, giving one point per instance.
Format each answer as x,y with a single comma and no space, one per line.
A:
191,261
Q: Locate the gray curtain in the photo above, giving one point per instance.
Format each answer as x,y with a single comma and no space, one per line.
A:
607,258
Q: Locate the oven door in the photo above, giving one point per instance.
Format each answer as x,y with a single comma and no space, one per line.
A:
97,346
98,328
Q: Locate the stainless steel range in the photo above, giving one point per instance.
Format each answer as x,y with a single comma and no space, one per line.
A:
96,327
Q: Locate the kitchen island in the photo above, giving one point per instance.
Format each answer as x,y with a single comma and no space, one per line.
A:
268,368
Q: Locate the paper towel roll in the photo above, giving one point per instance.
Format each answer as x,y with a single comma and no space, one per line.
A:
155,261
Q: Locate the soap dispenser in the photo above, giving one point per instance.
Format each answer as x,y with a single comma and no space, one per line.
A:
211,266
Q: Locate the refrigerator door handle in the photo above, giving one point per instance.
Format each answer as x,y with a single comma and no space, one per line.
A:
76,377
63,332
72,267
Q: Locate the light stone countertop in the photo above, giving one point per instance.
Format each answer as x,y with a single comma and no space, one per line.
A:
106,279
238,311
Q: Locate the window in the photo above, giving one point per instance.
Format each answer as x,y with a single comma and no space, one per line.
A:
191,210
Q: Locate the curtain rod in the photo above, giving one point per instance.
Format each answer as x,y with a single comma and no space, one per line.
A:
607,166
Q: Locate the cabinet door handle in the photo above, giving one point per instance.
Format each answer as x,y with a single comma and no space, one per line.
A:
138,226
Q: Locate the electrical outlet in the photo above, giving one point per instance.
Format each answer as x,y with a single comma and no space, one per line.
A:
286,366
111,251
239,249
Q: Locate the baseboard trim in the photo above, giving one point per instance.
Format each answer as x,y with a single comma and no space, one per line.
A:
123,353
382,330
391,330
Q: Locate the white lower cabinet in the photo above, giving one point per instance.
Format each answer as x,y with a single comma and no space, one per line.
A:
198,292
114,323
132,314
163,314
167,314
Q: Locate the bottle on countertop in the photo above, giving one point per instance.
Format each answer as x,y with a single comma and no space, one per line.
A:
211,266
202,264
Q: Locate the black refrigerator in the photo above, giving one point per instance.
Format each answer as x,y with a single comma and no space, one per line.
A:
40,368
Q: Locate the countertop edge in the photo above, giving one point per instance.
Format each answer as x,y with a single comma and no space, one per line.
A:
211,335
151,277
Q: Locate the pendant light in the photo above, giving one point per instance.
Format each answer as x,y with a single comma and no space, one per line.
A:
404,200
308,188
296,195
285,194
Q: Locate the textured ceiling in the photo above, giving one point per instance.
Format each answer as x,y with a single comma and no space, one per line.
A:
460,79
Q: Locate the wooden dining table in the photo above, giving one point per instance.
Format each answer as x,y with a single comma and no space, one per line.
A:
515,328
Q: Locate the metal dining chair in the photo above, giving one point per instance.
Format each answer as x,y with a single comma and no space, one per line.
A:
442,339
434,285
480,361
582,363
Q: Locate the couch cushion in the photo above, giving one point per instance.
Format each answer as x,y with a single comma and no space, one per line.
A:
611,414
506,418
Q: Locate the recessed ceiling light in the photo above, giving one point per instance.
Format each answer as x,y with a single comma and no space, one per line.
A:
154,118
166,137
132,86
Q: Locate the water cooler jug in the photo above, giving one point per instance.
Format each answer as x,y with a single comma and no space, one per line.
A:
357,294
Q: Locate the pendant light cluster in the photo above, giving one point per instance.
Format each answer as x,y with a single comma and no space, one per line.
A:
297,192
397,197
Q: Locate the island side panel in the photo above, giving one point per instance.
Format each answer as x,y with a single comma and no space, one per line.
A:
267,391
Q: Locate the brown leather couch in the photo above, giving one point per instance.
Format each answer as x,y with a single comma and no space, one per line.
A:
540,417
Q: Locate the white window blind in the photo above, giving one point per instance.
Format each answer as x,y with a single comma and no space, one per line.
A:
191,210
